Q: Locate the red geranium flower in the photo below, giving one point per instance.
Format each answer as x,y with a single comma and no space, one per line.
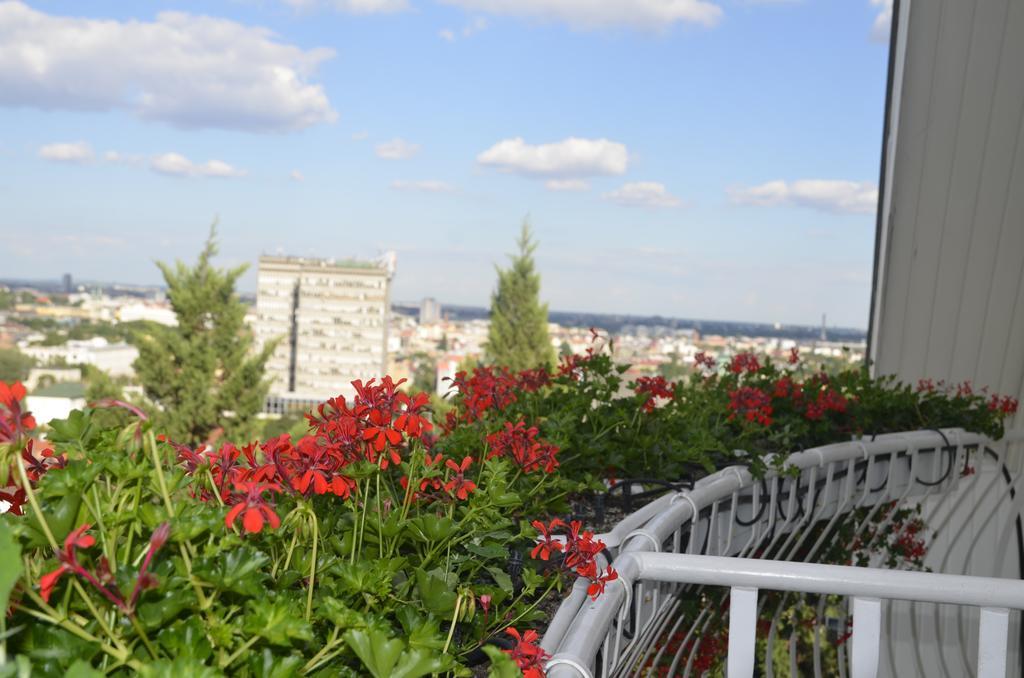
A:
546,544
527,655
458,484
253,508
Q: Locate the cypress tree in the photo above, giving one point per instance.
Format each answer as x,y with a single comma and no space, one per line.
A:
518,336
201,374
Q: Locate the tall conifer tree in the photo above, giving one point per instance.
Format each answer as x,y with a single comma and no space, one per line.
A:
202,374
518,336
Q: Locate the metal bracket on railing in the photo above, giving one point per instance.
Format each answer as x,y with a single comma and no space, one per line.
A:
559,660
642,533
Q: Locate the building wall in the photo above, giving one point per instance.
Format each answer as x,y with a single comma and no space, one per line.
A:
949,297
337,315
949,292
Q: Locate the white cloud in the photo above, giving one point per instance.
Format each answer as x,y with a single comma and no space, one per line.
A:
353,6
296,175
425,186
189,71
828,195
469,30
643,194
78,152
566,185
593,14
175,164
397,149
570,158
120,158
880,29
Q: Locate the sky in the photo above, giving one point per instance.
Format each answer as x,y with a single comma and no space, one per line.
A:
708,159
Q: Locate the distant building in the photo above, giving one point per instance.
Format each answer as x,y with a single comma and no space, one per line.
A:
114,359
158,313
55,402
330,321
430,311
66,282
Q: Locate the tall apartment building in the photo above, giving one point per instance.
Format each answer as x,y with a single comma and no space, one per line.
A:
330,319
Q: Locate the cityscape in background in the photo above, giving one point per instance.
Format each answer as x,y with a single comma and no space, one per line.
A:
333,321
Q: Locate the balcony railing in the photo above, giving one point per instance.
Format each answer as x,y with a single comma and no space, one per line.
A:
667,551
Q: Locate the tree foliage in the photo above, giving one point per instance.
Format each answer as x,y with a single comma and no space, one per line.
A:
14,365
518,336
202,374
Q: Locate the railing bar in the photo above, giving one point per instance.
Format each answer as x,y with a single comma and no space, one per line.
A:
819,612
742,632
864,644
992,643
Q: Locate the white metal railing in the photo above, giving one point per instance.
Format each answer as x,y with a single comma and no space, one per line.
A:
792,516
746,576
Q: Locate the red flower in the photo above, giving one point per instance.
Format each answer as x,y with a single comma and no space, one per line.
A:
598,583
654,388
411,421
784,387
702,359
521,445
527,655
1005,405
751,404
458,484
251,505
744,362
794,356
48,581
546,544
13,422
827,400
16,499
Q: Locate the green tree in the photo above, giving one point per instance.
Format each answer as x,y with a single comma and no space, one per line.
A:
518,336
202,374
14,365
424,376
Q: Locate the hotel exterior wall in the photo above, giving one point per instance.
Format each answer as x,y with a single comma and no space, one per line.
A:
949,296
336,315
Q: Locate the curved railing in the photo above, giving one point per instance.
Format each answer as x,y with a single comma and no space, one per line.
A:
966,485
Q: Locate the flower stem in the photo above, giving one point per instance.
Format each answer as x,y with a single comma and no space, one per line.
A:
31,494
451,629
312,567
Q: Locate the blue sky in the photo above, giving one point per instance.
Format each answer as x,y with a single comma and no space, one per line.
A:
693,158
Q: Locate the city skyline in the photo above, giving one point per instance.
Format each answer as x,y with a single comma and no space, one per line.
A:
705,161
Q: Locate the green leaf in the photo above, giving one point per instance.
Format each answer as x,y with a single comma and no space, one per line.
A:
278,622
375,649
186,638
502,665
241,571
76,430
164,668
81,669
158,611
501,578
269,665
10,563
436,590
490,550
431,528
21,667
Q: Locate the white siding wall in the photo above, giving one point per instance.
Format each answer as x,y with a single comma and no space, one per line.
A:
949,303
949,298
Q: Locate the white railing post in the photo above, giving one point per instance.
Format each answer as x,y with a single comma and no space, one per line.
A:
992,634
867,623
742,631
